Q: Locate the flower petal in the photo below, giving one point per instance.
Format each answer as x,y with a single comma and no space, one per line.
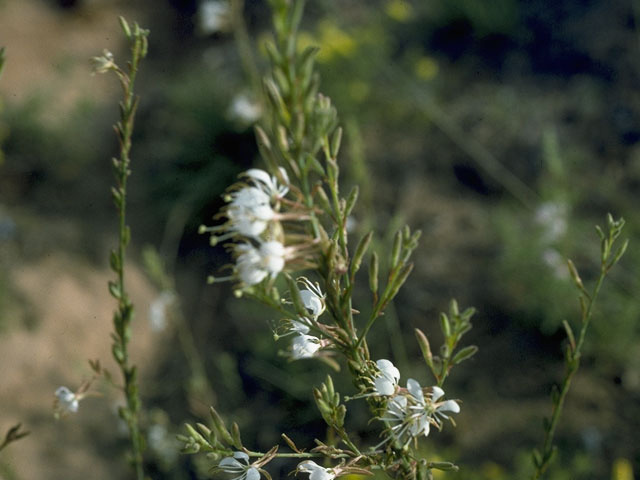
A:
241,456
259,175
449,406
230,465
312,302
253,474
388,369
436,393
415,390
383,386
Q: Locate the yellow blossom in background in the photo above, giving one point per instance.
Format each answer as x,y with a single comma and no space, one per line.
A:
335,42
305,40
492,471
622,470
426,68
399,10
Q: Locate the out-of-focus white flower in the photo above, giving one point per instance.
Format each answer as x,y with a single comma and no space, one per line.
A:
552,218
254,264
351,224
272,255
213,16
158,310
252,206
386,383
239,465
315,471
249,211
244,110
305,346
103,63
552,258
66,402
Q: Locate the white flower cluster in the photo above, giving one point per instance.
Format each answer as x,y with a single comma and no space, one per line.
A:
409,411
253,215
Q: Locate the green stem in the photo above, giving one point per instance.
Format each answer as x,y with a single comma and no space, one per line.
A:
124,314
572,365
299,455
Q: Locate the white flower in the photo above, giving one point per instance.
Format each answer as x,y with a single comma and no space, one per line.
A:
66,401
304,346
316,471
158,310
298,326
239,465
249,211
312,298
248,264
269,184
413,414
313,301
386,383
552,258
272,256
552,218
254,264
244,110
104,63
214,16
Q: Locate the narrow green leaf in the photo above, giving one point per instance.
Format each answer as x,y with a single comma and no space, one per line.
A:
445,325
575,276
373,273
351,200
336,140
570,336
620,252
235,434
218,424
396,249
425,347
464,354
114,261
114,290
361,249
2,59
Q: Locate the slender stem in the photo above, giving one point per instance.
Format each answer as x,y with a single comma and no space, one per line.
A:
124,313
572,364
299,455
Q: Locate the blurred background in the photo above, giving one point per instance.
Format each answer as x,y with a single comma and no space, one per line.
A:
503,129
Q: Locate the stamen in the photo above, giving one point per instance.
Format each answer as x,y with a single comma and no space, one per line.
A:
211,279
